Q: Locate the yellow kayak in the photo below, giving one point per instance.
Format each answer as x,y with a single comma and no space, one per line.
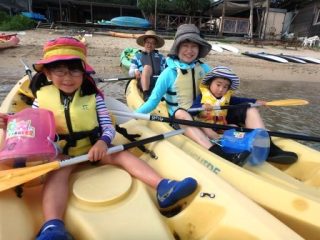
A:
291,193
107,203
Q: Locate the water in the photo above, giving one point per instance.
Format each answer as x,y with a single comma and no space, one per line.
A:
294,119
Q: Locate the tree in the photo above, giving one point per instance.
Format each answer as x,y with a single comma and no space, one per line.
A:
189,7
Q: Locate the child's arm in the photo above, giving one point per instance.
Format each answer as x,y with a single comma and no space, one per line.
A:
3,120
100,148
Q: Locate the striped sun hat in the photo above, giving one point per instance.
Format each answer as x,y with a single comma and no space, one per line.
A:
63,48
222,72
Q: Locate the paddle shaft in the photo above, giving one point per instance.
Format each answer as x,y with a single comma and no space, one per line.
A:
245,105
275,103
120,148
17,176
120,79
27,69
210,125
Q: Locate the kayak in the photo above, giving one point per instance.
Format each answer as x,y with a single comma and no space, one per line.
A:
126,55
127,21
266,57
8,42
291,193
106,202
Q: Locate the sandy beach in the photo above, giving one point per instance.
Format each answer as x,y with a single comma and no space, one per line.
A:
104,52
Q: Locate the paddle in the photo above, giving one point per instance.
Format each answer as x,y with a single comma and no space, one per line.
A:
118,79
275,103
27,69
119,109
114,79
14,177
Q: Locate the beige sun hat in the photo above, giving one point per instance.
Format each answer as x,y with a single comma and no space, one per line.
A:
150,34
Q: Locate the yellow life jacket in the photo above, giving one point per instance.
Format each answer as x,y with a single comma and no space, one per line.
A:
214,116
76,119
187,85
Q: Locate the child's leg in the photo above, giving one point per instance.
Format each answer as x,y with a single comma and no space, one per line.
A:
135,166
253,119
54,202
210,133
169,192
145,77
55,193
195,133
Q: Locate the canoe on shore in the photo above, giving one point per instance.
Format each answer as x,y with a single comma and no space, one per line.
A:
107,203
9,42
289,192
126,55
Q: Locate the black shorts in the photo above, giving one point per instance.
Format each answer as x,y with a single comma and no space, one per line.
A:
235,116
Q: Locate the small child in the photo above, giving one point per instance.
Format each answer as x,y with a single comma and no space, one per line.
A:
217,89
63,85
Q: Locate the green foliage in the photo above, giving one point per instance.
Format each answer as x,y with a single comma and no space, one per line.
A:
16,23
3,17
189,7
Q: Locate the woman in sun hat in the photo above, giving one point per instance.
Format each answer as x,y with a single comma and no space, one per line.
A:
63,85
179,83
217,89
147,64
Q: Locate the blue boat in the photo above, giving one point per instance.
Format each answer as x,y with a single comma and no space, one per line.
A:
126,21
34,16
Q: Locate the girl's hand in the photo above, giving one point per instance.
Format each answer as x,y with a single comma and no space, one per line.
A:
3,120
98,151
137,74
261,102
207,107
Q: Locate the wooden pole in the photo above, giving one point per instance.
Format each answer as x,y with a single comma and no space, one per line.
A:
265,20
60,10
251,20
222,17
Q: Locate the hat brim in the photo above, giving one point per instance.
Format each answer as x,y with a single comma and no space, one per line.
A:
204,48
38,66
160,42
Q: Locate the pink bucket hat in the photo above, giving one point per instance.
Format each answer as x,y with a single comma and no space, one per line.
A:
63,48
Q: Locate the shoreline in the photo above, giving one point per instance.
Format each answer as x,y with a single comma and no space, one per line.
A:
104,52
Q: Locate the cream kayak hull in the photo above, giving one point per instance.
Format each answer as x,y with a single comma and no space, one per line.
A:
276,188
107,203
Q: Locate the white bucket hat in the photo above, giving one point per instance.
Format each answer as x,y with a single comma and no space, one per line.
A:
222,72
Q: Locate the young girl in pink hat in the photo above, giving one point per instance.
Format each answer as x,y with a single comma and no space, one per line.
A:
63,85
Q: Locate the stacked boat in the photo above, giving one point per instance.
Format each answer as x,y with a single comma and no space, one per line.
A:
289,192
8,40
105,200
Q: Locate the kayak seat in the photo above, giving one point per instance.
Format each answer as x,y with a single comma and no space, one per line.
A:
169,192
53,230
25,92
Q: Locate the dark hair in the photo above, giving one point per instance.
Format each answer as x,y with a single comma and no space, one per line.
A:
88,85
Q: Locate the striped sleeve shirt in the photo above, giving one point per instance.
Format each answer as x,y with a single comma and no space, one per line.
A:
104,119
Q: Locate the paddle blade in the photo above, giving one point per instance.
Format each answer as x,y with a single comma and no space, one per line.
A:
287,102
14,177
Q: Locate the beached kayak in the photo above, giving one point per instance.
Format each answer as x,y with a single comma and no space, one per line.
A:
127,21
126,55
107,203
291,193
7,42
